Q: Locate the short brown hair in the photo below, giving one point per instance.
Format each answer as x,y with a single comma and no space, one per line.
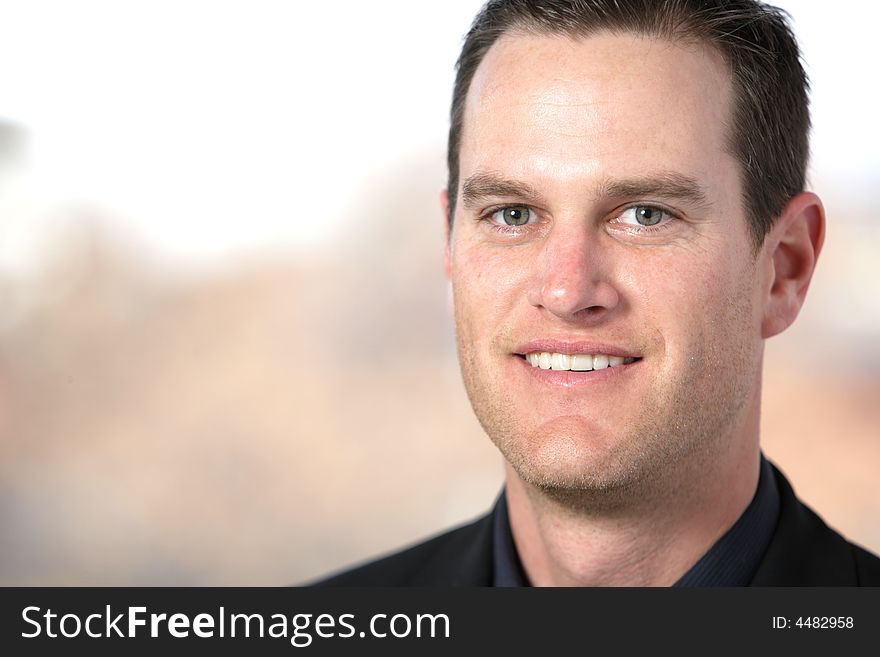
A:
771,120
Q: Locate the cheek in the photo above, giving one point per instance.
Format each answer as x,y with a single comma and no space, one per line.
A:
686,304
486,283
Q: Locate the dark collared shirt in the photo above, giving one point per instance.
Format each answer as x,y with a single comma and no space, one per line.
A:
731,561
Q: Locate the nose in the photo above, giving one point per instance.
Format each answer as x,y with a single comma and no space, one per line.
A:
574,280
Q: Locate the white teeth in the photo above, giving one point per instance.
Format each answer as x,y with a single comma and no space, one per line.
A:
577,362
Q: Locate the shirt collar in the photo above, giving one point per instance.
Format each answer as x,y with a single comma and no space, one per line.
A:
731,561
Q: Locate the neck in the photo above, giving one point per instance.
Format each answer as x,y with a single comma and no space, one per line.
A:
649,535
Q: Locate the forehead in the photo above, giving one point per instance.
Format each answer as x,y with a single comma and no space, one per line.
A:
605,104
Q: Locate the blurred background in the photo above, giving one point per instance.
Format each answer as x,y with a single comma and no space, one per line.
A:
225,354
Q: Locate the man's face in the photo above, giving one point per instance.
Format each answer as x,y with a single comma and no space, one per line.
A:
600,225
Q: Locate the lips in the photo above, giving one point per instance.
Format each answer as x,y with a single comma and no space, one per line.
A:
579,356
575,362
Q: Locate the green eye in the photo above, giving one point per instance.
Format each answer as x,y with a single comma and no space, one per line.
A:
644,215
648,216
515,215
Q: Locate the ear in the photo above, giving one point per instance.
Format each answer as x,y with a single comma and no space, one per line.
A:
447,256
444,205
793,246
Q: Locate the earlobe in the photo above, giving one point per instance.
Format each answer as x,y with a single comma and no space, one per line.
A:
794,242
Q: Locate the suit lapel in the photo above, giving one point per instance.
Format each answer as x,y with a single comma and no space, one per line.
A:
804,551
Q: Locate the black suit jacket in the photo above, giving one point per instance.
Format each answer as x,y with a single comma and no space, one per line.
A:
804,551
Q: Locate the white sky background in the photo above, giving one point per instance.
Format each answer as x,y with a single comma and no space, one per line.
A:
205,128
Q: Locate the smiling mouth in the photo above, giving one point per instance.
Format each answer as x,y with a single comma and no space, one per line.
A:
574,362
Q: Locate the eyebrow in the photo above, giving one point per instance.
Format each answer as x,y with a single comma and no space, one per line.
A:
482,186
665,185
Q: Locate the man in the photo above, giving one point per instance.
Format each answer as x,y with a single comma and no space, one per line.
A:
627,225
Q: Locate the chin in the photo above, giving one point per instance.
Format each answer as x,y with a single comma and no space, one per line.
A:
571,454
